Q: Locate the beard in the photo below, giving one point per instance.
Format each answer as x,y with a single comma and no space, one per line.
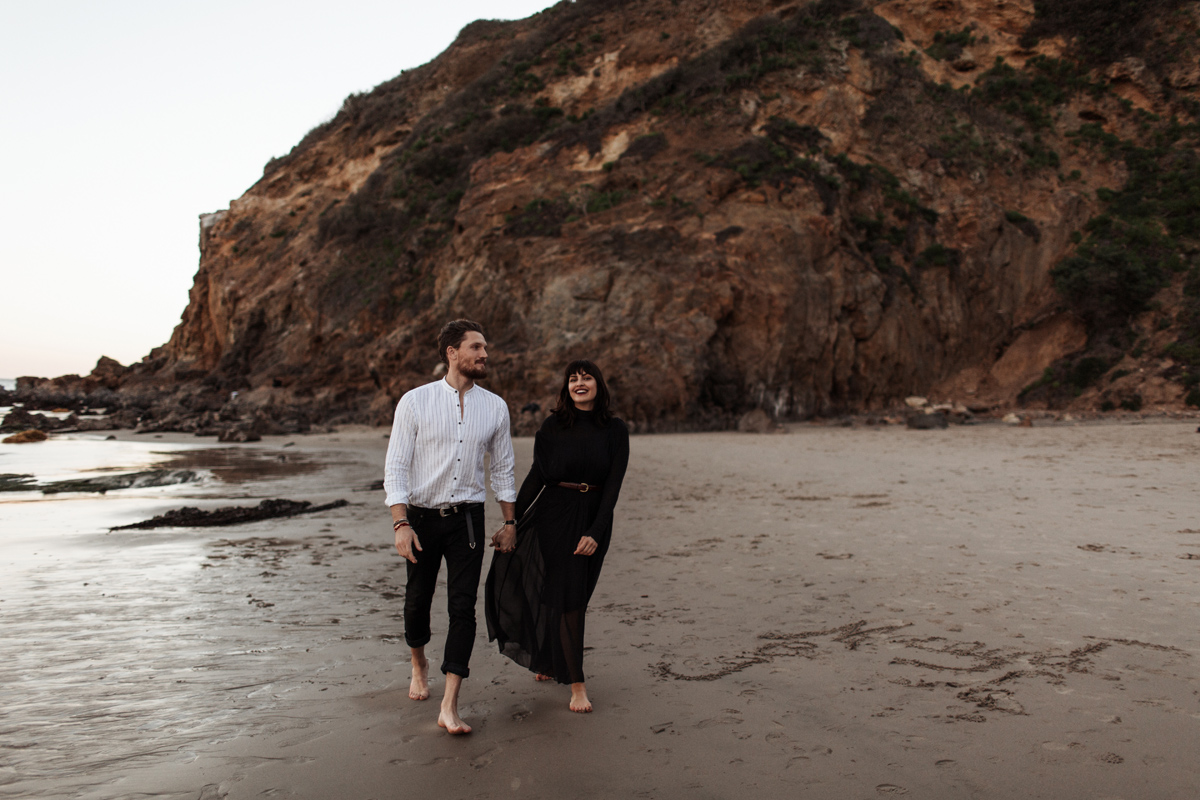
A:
476,371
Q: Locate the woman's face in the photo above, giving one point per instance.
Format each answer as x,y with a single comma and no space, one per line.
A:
582,388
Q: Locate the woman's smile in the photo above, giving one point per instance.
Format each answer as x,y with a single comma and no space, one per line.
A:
583,390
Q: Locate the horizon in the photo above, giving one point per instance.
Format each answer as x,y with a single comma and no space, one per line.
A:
138,118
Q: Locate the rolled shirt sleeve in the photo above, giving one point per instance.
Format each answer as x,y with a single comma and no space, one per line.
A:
399,458
504,483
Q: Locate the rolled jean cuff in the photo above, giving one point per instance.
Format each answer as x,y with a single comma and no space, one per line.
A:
414,641
458,669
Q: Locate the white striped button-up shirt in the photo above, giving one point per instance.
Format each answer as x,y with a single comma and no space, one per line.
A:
435,456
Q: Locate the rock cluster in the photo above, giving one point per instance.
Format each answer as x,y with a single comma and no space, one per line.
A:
191,517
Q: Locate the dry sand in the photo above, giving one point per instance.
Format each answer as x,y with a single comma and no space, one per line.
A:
983,612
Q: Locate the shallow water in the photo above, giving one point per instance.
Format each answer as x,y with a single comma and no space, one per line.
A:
221,472
29,518
121,648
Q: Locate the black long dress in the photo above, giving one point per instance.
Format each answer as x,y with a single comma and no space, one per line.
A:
537,595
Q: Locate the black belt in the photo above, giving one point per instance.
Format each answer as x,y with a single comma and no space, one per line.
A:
449,511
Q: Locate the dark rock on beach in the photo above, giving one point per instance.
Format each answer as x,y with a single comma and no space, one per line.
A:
239,433
927,422
25,437
21,420
125,418
12,482
756,421
131,480
190,517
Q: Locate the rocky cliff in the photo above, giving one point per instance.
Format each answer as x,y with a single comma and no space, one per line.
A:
802,207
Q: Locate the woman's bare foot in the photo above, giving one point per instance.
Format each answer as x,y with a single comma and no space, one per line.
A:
579,699
453,724
419,688
540,677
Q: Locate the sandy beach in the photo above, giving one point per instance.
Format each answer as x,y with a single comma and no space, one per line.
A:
981,612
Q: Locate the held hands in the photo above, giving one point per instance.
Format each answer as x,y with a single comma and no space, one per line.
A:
587,546
406,540
505,539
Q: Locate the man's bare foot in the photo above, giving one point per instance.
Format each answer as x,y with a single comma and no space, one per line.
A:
419,688
579,699
452,723
540,677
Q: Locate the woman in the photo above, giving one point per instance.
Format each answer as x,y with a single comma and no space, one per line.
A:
537,595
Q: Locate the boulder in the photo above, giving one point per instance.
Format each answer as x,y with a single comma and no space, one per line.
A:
26,437
108,372
927,422
21,420
756,421
241,432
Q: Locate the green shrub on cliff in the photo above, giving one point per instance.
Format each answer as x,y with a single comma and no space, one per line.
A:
948,45
1103,30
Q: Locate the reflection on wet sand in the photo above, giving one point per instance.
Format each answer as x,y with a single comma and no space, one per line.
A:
241,464
122,650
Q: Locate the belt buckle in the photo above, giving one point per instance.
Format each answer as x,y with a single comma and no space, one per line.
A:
445,512
583,487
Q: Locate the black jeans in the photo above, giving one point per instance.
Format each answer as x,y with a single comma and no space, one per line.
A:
445,537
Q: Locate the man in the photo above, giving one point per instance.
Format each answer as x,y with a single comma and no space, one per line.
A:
434,482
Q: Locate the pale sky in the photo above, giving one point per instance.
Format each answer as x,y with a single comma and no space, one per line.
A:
121,121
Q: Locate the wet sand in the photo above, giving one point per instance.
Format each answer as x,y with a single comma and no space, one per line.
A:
980,612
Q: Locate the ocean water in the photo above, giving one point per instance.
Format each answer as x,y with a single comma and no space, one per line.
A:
8,383
125,648
25,514
35,522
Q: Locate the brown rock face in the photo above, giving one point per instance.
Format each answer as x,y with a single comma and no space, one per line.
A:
728,204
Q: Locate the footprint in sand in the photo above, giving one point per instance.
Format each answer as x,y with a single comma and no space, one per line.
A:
890,788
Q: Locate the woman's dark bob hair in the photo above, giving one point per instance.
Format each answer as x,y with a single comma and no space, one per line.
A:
566,406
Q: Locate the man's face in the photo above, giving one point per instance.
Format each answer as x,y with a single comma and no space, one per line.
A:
470,357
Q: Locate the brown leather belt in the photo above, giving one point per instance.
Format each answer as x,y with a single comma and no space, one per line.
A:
579,487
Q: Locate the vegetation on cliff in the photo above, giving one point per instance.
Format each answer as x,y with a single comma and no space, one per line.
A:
804,207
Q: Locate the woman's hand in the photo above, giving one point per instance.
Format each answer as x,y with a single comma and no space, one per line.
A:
587,546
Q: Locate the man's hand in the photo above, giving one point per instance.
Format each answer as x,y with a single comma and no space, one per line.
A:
587,546
505,539
406,540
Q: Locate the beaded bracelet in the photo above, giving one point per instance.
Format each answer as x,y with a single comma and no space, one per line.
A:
400,523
